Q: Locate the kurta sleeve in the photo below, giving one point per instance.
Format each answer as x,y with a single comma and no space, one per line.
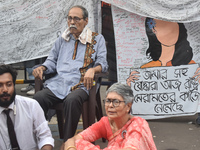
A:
51,61
101,56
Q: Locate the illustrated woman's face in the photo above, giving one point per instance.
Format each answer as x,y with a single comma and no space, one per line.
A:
166,32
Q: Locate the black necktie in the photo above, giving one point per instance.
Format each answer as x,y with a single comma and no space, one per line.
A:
11,131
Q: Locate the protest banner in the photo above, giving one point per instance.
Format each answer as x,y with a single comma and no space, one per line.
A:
158,59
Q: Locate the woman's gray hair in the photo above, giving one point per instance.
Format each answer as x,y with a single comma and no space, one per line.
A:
123,90
84,10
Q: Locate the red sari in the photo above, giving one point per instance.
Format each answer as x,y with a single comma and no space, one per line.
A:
135,134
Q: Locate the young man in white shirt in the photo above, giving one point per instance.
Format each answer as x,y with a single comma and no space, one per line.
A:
31,128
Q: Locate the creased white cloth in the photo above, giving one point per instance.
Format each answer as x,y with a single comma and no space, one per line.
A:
169,10
84,37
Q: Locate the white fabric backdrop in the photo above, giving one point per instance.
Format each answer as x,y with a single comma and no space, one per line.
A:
29,28
171,10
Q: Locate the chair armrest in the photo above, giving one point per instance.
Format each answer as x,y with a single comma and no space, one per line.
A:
92,101
100,75
39,82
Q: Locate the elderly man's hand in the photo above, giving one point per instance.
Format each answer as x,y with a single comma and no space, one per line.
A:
88,78
38,72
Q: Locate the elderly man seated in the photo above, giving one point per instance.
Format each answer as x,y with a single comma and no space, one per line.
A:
75,58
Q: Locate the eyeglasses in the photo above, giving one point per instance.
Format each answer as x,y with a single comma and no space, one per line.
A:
115,102
76,19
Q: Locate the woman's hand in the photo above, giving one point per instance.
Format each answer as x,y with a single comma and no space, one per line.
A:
132,77
70,143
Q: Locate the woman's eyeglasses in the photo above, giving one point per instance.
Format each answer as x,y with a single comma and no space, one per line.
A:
115,102
76,19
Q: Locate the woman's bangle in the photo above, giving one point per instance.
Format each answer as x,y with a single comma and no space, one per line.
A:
71,147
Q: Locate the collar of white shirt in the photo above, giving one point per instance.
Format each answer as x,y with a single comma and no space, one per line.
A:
84,37
11,106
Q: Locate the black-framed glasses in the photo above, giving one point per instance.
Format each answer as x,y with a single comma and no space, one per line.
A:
115,102
76,19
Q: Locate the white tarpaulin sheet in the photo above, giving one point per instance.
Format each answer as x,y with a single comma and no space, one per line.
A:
171,10
29,28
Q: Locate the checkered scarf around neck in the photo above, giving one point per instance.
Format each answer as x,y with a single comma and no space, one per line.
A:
84,37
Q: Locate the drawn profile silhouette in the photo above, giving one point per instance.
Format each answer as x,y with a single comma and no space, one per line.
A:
168,45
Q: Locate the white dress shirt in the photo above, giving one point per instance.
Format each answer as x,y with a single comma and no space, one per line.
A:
30,125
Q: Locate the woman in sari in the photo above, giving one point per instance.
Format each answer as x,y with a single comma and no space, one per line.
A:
122,130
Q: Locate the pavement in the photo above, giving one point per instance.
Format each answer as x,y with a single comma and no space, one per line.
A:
177,133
